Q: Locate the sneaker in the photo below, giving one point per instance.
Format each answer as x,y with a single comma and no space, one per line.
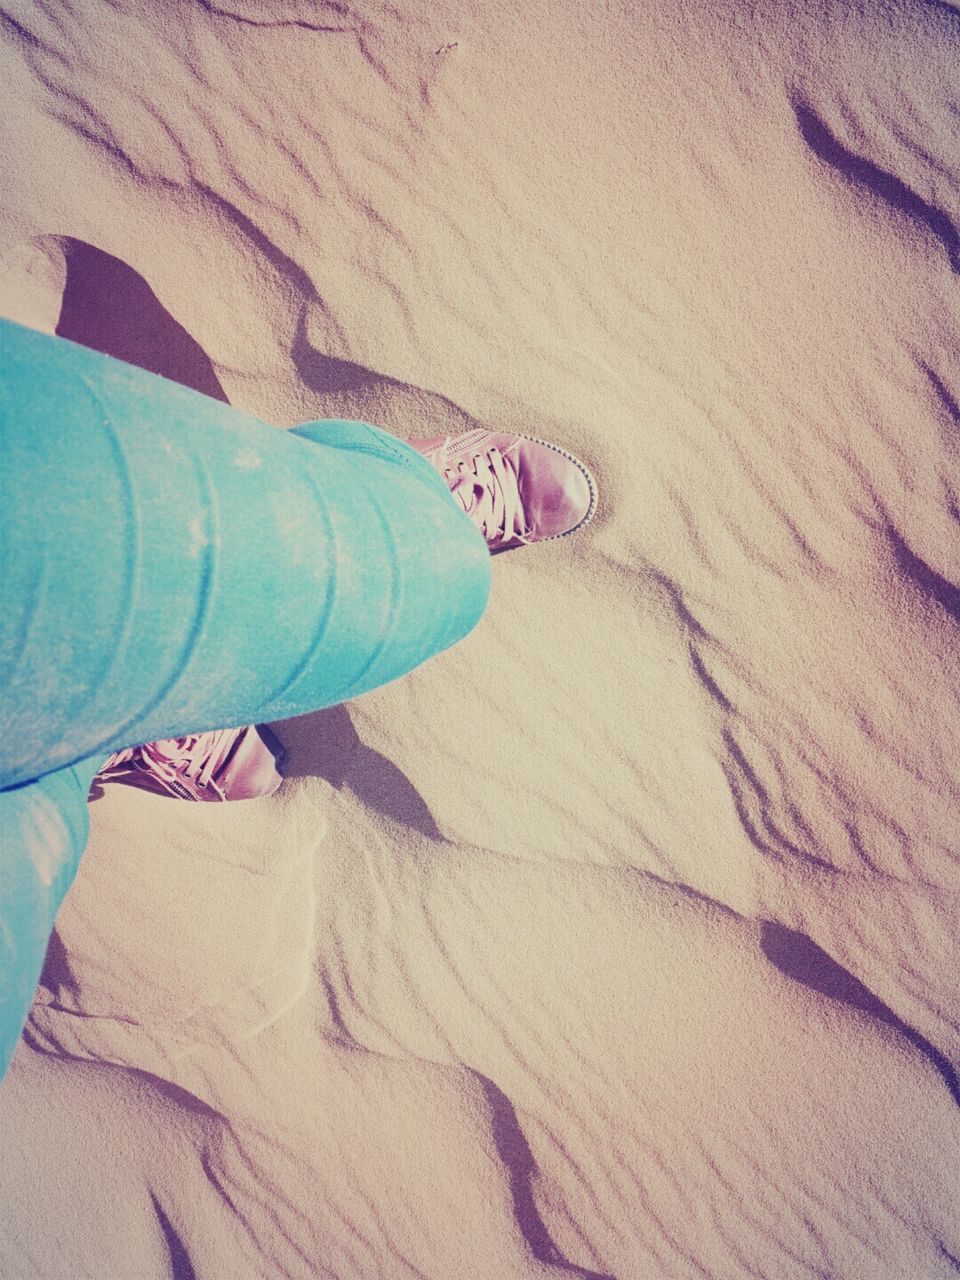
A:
516,489
227,764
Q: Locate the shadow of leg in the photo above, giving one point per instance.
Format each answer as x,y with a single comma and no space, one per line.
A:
109,307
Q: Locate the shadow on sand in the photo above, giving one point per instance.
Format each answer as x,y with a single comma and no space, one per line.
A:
109,307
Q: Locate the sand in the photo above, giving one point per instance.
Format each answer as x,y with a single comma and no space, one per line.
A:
622,939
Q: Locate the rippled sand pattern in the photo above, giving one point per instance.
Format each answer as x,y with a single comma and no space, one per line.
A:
622,939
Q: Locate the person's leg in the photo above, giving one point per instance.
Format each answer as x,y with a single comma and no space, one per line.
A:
516,490
171,565
43,831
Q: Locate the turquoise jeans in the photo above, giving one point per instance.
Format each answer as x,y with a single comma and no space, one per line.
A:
168,566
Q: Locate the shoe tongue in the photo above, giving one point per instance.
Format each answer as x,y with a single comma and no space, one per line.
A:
488,498
467,491
172,749
179,751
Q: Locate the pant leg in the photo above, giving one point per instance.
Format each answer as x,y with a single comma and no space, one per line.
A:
170,565
43,831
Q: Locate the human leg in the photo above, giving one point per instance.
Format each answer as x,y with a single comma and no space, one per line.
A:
169,565
516,489
43,831
160,579
191,567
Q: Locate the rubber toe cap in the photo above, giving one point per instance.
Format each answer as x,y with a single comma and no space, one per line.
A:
556,491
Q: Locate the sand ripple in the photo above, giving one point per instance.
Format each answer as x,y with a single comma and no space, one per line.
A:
621,940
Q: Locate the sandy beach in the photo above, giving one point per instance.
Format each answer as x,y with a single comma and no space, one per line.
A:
621,940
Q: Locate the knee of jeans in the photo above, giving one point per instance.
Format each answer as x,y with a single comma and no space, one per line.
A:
342,433
363,438
466,575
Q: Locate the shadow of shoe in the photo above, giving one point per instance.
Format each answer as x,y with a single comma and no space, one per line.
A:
326,745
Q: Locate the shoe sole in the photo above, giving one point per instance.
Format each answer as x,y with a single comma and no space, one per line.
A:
591,483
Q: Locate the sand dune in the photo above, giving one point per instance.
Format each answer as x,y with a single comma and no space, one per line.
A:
621,940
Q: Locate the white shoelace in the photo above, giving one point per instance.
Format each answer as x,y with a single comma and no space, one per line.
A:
199,756
489,492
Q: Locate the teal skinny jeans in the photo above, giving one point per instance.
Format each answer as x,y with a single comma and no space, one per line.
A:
169,565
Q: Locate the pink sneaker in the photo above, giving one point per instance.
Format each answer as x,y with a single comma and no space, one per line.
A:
227,764
516,489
